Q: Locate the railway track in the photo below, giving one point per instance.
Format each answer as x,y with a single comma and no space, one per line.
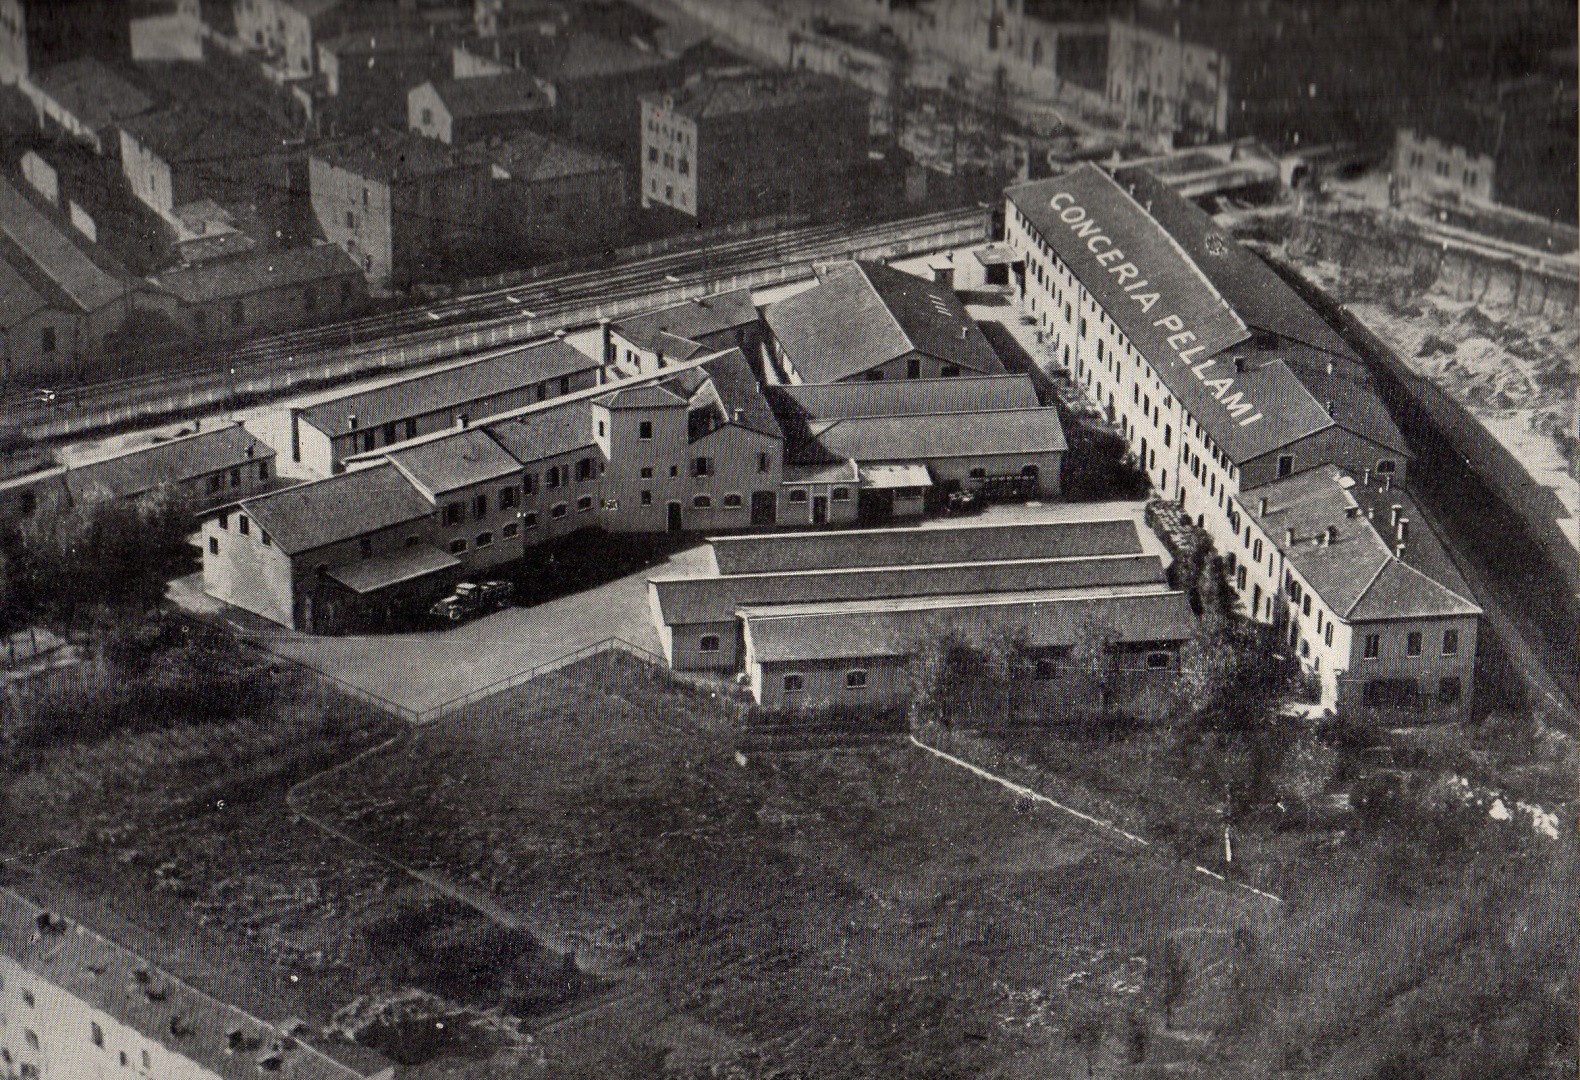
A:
463,325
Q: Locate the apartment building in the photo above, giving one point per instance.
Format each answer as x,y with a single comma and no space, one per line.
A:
1167,85
1220,378
461,111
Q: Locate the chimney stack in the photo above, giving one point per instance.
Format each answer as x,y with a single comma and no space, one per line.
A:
1262,507
1289,538
1366,478
1332,535
1394,514
1404,531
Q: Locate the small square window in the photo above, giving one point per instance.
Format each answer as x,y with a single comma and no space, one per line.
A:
647,498
840,494
794,683
708,643
855,679
509,531
647,472
1412,643
529,520
213,545
797,495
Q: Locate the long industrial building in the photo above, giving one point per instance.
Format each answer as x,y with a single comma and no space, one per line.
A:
1225,385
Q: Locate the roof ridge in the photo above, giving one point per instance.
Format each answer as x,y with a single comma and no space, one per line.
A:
1387,558
161,444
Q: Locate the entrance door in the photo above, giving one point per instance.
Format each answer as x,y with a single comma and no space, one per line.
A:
674,517
765,507
819,509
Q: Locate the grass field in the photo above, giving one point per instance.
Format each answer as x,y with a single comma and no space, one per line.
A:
834,913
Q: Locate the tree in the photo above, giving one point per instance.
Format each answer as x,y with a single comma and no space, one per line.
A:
1308,767
1087,1028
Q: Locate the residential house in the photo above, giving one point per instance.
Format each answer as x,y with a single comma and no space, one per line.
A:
38,34
367,74
646,342
86,98
549,198
285,32
461,111
1167,85
229,152
207,467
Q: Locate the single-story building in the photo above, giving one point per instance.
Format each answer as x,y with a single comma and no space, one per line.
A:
212,467
279,290
648,341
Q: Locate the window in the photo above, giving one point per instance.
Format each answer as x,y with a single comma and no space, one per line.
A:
1327,635
1256,551
840,494
584,504
389,434
96,1033
856,679
148,1062
674,470
452,513
480,506
978,474
647,472
1450,642
46,340
1286,464
644,430
949,371
1386,466
584,470
558,511
702,466
709,643
365,547
1412,643
1047,668
551,479
913,368
1372,643
235,478
263,470
411,429
529,483
1305,604
215,482
224,522
244,525
732,501
351,219
427,117
701,502
29,1071
510,531
213,545
484,539
30,1038
507,498
413,541
763,463
794,683
457,545
652,155
1448,690
1158,660
797,495
529,520
685,166
647,498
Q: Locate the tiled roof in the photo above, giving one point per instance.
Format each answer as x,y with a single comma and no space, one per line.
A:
862,315
92,92
907,397
18,300
389,155
716,598
323,512
834,472
932,436
448,388
508,93
472,457
646,396
1048,619
753,91
546,433
690,320
740,395
1356,573
57,256
571,57
134,472
782,552
407,564
531,157
207,132
178,1018
257,271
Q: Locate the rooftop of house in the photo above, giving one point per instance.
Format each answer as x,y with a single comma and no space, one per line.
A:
323,512
19,299
934,435
861,315
257,271
57,255
182,1020
740,397
1346,546
509,93
472,457
903,397
571,57
681,325
93,92
141,469
387,155
534,158
451,387
545,433
831,472
201,131
889,629
782,552
753,90
716,598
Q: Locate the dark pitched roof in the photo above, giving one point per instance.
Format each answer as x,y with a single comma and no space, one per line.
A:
582,55
781,552
1348,392
646,396
862,315
931,436
907,397
472,457
391,156
546,433
92,92
729,94
505,94
531,157
1357,574
690,320
323,512
447,388
144,468
890,629
18,299
57,256
1252,289
210,132
717,598
257,271
740,396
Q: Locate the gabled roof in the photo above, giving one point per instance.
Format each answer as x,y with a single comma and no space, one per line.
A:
506,94
390,156
753,90
134,472
92,92
716,598
448,388
18,300
782,552
533,158
1357,573
861,315
1134,615
257,271
55,254
441,467
545,433
206,132
690,320
932,436
571,57
646,396
343,507
740,396
907,397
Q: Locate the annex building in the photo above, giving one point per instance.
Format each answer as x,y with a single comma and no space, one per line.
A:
1221,379
819,620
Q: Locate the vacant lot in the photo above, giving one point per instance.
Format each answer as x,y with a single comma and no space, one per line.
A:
834,913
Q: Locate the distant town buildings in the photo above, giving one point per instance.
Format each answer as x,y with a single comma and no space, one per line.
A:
1167,85
461,111
36,34
750,143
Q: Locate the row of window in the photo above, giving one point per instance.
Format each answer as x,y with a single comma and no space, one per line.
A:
1412,644
837,494
217,481
856,678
